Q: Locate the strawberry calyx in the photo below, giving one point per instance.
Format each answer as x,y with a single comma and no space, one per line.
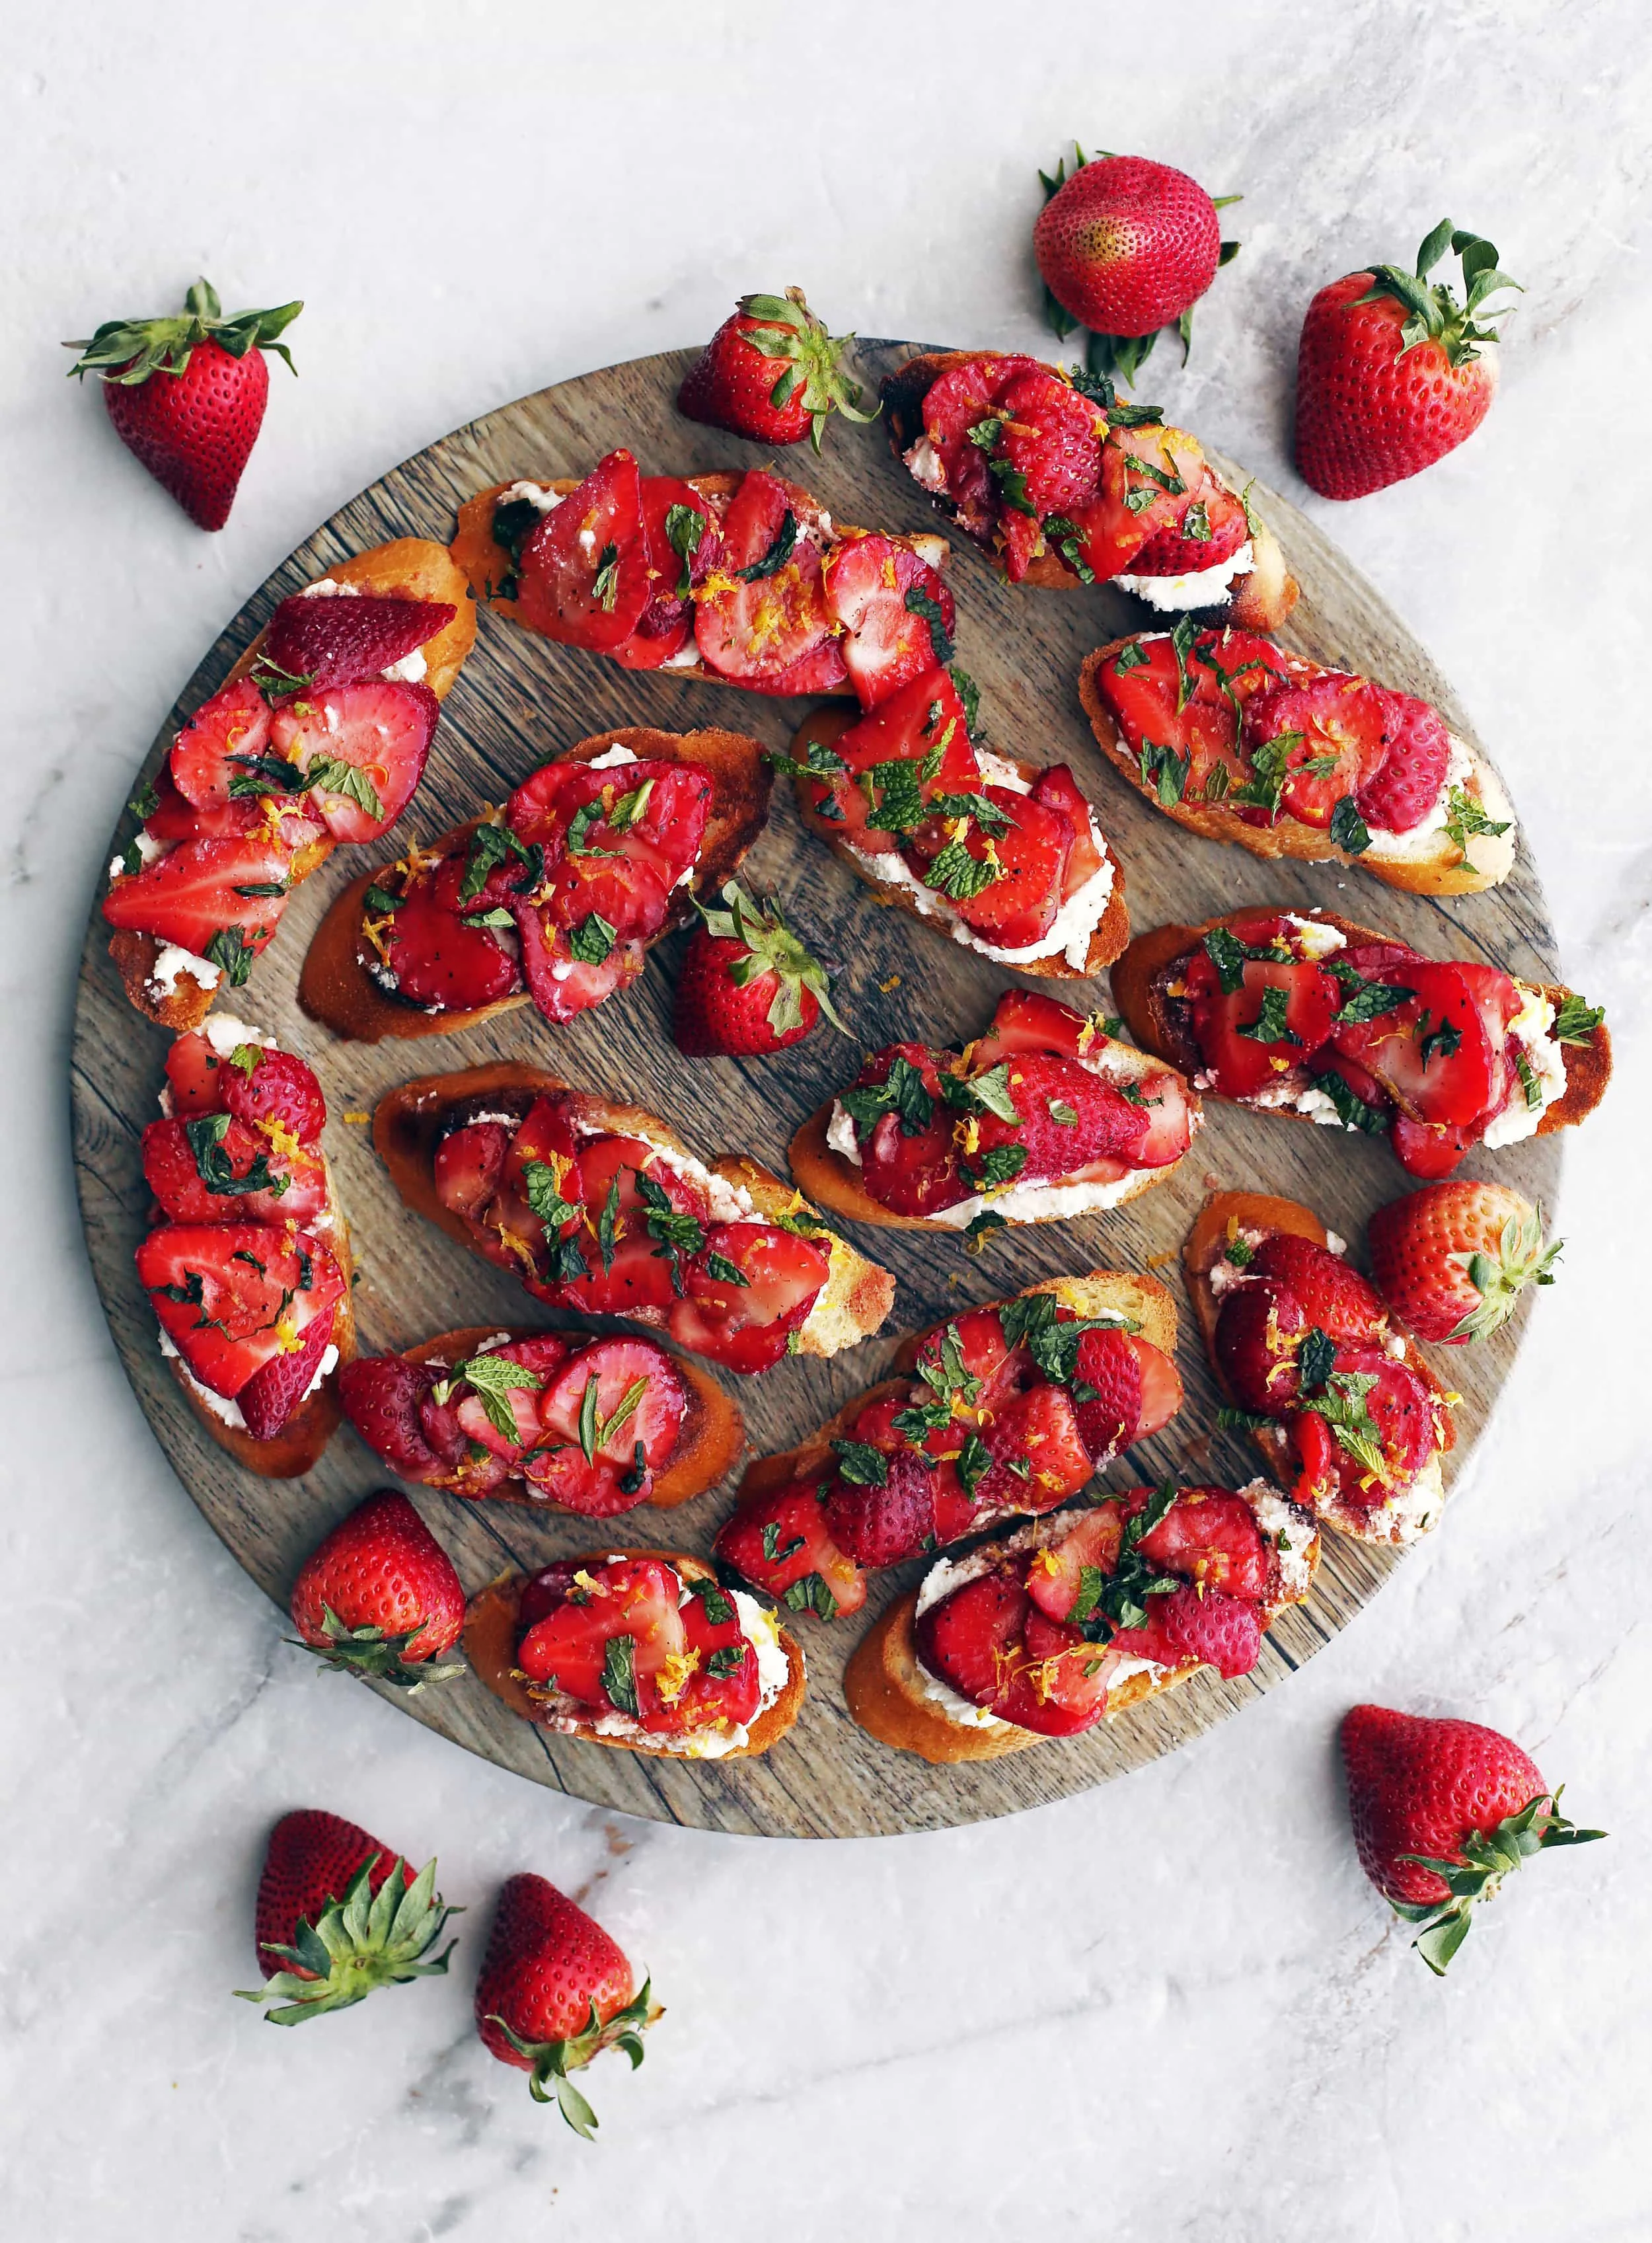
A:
1521,1259
551,2061
791,333
379,1656
1487,1858
128,351
771,947
356,1945
1435,314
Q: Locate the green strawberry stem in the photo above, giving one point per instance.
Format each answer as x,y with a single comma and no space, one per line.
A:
381,1658
356,1945
128,351
552,2060
772,948
792,332
1488,1859
1521,1259
1436,315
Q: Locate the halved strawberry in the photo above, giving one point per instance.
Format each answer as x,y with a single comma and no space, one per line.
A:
380,1396
1434,1056
1211,529
362,750
1332,732
203,889
923,719
337,641
749,1287
1218,1631
275,1389
766,610
260,1084
1211,1537
895,614
201,1168
608,1420
1407,786
230,1296
438,959
584,577
781,1538
682,540
631,1265
221,742
1069,1119
572,1612
1243,1063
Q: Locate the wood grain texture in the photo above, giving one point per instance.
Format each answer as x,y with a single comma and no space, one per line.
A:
519,700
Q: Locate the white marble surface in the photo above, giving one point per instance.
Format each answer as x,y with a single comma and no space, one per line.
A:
1173,2009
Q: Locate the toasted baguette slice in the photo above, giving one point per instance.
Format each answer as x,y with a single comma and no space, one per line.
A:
410,567
1222,1216
1260,600
1108,938
883,1683
337,987
709,1442
297,1448
1436,868
832,1181
406,1127
490,1647
1138,992
486,565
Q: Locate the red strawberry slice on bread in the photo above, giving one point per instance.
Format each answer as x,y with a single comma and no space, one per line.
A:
1069,1119
1218,1631
749,1287
361,749
921,719
203,890
222,742
766,613
1050,437
601,1450
1211,1537
275,1390
1406,786
879,1523
1055,1574
584,577
1329,1291
682,540
1331,731
436,958
778,1538
258,1084
381,1395
1211,529
212,1168
976,1641
231,1296
340,639
1028,846
895,614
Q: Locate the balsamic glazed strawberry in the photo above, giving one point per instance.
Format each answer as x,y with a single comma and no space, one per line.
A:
614,1225
1299,1013
586,1424
1044,1098
241,1266
558,896
671,1662
742,578
1013,1409
1064,1621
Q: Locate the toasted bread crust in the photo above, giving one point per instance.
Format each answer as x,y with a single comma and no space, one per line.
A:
1111,932
1447,872
409,568
486,565
709,1442
335,987
1260,600
1135,978
407,1125
490,1647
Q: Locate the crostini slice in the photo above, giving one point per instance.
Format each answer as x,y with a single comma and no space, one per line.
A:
1308,1014
1241,741
553,900
1042,1118
1356,1424
637,1638
1065,485
589,1422
197,894
504,1156
1073,1619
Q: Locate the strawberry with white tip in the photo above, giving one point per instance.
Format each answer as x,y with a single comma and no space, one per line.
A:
749,985
1450,1260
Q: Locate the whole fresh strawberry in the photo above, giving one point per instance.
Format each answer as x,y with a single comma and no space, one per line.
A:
772,373
339,1916
1443,1811
1451,1259
554,1992
379,1596
1127,246
1390,371
187,394
748,985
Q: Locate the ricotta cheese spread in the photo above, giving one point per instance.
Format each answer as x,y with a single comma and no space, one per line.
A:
1200,588
925,464
1069,934
536,495
222,1406
409,670
611,756
1531,1025
1314,938
686,656
328,588
226,1034
174,960
1289,1528
1414,1510
149,853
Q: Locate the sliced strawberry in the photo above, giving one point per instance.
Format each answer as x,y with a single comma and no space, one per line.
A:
230,1296
960,400
1055,1574
881,1523
1039,1454
724,1689
1069,1119
600,1451
1050,442
627,893
822,670
466,1168
1423,1149
1330,1293
1029,854
977,1339
1333,733
750,1287
565,981
1218,1631
380,1395
200,1168
781,1538
665,807
895,614
1211,1538
1191,709
221,742
380,731
584,577
1407,786
260,1084
1026,1020
1433,1055
673,569
1107,1388
438,959
572,1612
1405,1418
750,626
339,640
1259,1329
275,1390
976,1639
175,819
1068,1672
1161,1387
632,1267
923,719
1211,528
203,889
193,1075
909,1159
1058,789
1244,1064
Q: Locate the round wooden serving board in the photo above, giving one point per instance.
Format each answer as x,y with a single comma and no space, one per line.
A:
518,702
